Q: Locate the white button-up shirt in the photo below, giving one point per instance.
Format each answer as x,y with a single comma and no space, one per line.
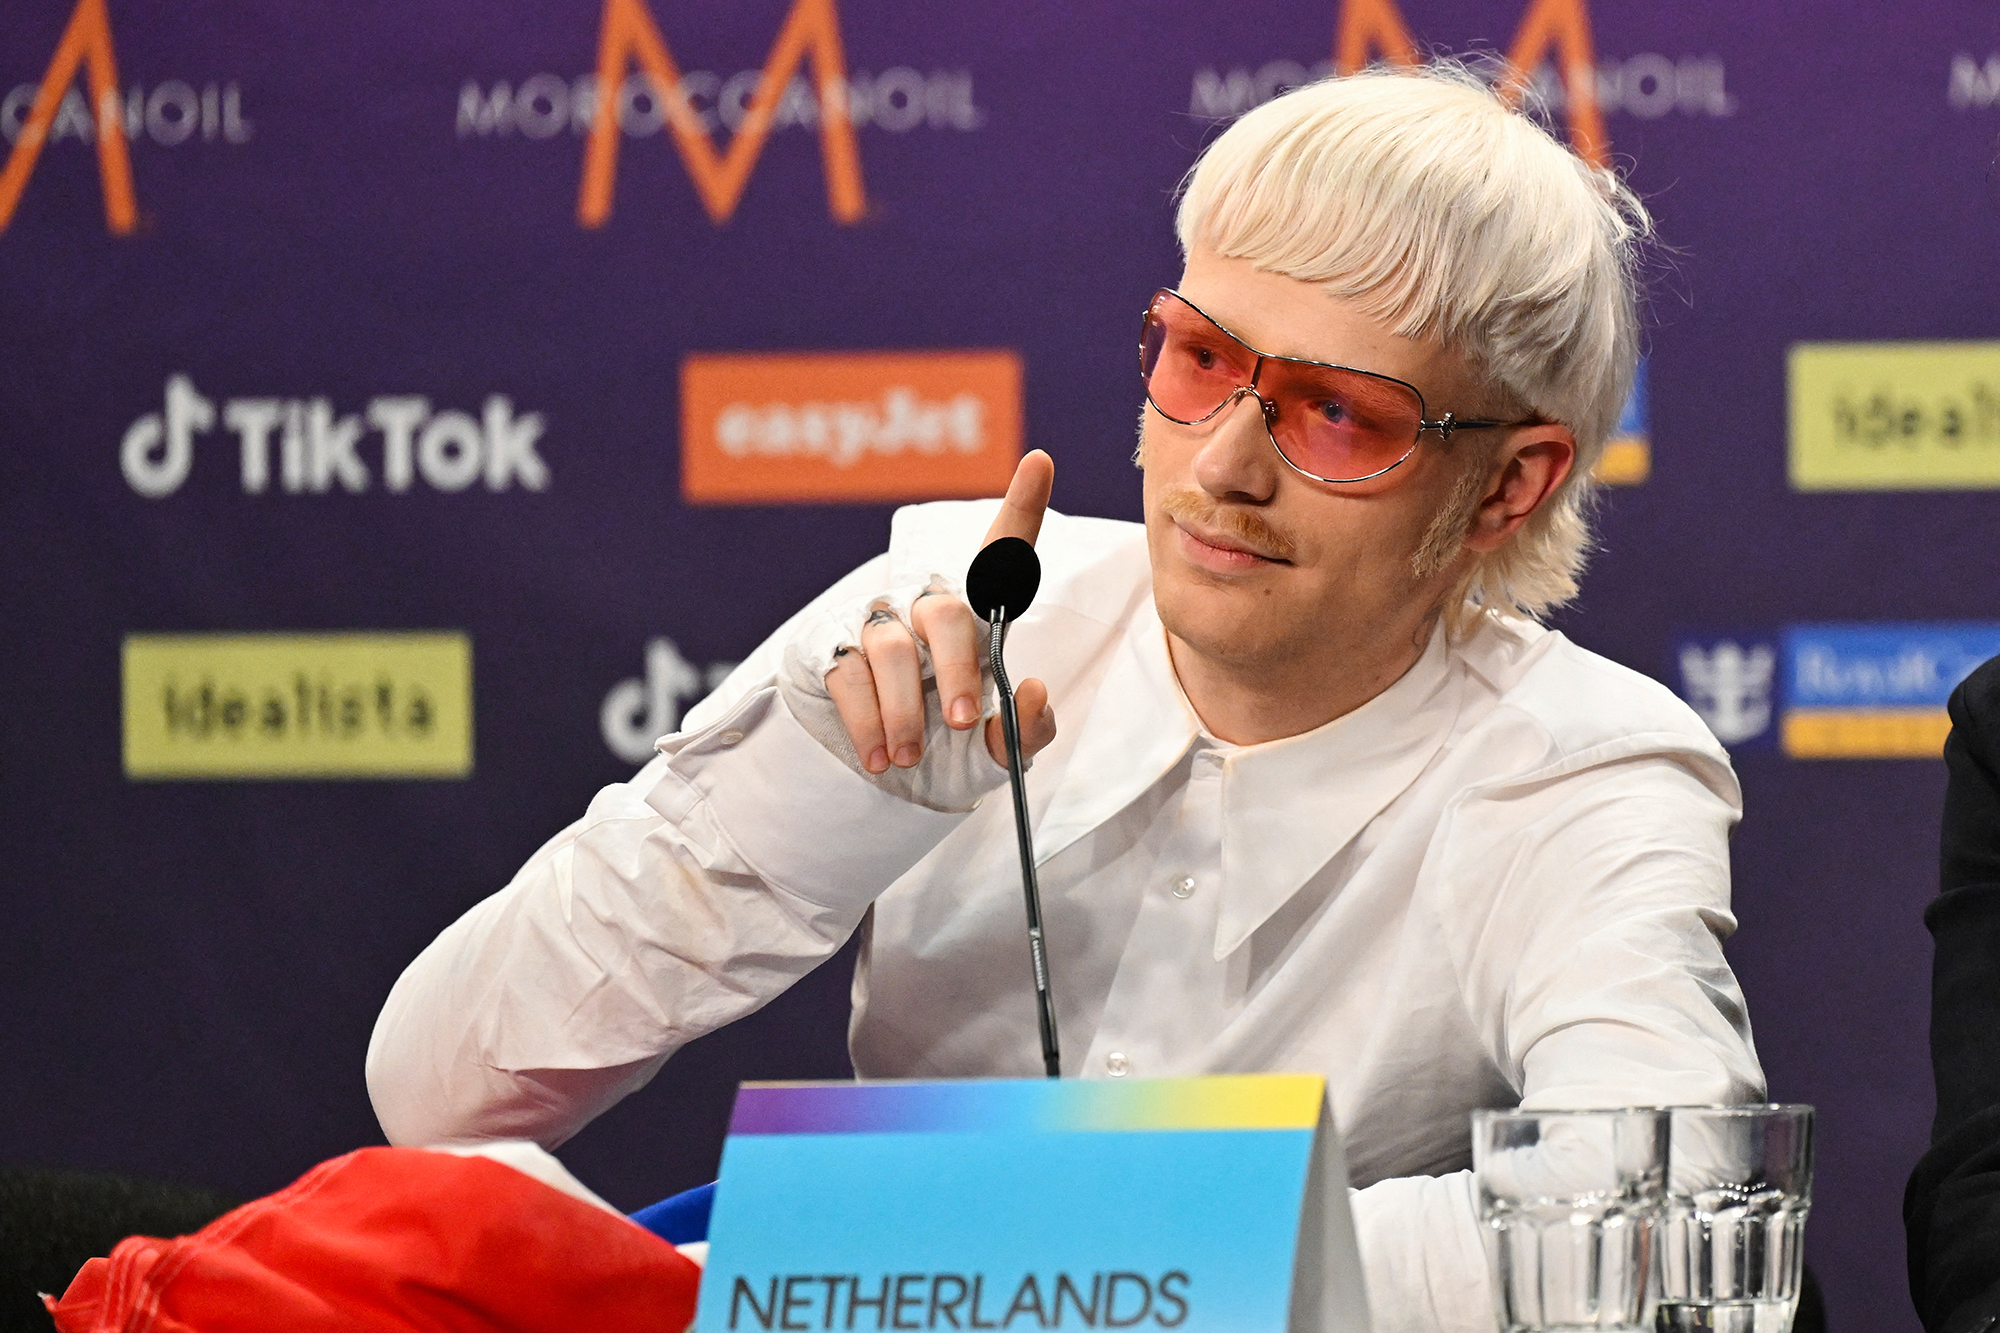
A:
1504,879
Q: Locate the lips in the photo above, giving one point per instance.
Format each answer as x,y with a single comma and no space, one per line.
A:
1214,547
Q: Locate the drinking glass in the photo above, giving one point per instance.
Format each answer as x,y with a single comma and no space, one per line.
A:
1569,1201
1739,1185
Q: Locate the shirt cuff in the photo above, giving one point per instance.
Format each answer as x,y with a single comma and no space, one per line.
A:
801,820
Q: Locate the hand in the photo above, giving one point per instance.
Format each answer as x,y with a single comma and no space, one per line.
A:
880,690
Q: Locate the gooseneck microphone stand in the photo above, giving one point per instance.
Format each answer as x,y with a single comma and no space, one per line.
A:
1010,723
1001,583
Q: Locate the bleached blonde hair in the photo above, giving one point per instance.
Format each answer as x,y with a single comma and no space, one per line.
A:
1423,198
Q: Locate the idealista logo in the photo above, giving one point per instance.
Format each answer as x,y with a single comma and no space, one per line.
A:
303,446
638,90
813,427
385,705
171,113
1854,691
1895,416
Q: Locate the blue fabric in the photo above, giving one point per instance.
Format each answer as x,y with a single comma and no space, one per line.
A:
682,1218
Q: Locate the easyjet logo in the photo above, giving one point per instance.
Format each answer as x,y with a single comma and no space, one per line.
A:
814,427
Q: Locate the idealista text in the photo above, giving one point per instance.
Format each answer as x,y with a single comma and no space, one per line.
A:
929,1301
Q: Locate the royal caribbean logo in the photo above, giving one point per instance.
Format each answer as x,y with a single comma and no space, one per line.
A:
1852,691
1732,683
1627,459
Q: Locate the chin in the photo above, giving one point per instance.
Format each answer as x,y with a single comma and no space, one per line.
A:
1219,622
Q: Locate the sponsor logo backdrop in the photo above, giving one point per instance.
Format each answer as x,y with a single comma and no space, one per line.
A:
411,409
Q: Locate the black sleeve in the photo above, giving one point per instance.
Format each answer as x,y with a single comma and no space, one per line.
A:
1970,850
1951,1213
1952,1208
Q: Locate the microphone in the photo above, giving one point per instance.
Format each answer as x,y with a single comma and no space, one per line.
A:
1002,581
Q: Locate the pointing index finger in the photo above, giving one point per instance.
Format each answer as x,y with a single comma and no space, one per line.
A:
1027,499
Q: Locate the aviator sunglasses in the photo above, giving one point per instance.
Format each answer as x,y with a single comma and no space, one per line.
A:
1330,423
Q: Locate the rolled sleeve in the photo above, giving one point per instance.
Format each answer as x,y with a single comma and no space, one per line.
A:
732,864
801,820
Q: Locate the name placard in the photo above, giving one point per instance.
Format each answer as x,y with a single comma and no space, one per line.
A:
1207,1205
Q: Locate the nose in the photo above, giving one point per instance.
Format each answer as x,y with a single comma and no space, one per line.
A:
1237,461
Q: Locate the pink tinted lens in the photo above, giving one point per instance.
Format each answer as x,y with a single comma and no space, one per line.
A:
1190,365
1338,424
1330,422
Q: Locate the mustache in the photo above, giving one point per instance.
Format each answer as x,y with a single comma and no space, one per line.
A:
1245,525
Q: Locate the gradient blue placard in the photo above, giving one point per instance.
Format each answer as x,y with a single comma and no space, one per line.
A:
1057,1216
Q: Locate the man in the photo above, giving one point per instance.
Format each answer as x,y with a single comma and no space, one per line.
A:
1952,1206
1325,797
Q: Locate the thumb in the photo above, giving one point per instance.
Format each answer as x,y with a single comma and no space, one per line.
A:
1027,499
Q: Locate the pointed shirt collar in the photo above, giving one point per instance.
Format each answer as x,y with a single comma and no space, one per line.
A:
1289,806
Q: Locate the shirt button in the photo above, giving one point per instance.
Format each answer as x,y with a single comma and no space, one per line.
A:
1184,887
731,738
1116,1065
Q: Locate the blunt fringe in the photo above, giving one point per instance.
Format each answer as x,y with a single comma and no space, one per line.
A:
1423,198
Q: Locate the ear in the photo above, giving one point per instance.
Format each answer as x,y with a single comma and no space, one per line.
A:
1532,464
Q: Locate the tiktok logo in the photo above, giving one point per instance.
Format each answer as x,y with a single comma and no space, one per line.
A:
310,447
638,712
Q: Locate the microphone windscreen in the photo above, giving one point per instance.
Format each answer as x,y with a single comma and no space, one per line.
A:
1003,577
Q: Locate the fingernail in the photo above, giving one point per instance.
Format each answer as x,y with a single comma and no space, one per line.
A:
963,711
878,760
906,756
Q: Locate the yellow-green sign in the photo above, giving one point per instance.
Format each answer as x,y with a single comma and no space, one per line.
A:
1895,416
395,705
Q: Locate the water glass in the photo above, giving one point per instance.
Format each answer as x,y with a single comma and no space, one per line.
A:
1569,1201
1739,1185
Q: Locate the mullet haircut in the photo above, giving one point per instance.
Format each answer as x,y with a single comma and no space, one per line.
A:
1424,199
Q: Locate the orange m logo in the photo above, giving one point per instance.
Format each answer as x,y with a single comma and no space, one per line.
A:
1377,26
88,37
629,34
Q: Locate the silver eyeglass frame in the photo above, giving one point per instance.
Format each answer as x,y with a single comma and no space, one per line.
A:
1445,426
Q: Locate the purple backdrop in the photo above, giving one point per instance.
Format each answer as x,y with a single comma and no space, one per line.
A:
190,969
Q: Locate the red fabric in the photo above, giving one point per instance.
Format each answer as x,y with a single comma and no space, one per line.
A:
395,1239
